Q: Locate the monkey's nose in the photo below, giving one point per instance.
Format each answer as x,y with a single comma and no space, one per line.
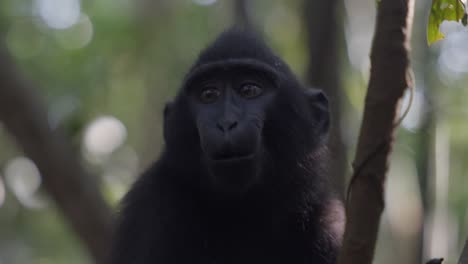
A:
226,125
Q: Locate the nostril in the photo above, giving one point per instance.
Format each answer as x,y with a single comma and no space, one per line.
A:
232,125
226,126
220,127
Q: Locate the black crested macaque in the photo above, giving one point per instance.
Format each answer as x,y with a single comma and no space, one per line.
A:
242,178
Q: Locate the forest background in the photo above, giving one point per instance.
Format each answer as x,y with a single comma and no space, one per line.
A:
102,71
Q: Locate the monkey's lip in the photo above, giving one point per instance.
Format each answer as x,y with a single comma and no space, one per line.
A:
232,158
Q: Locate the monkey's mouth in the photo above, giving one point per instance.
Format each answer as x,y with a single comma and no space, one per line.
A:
231,157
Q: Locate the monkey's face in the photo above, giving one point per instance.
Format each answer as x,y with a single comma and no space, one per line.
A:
229,109
238,118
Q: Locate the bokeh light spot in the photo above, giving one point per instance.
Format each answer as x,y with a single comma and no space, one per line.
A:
104,135
24,179
77,36
453,58
204,2
415,116
59,14
24,40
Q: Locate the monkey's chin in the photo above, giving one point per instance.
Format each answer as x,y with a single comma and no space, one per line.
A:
233,177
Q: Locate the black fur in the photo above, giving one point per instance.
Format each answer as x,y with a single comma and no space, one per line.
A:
172,215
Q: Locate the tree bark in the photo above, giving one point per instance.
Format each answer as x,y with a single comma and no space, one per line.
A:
389,79
73,190
324,35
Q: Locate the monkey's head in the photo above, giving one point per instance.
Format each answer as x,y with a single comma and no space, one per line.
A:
241,114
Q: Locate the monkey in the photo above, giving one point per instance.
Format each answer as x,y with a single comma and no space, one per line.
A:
242,176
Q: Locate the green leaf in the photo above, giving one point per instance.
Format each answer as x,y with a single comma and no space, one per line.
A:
444,10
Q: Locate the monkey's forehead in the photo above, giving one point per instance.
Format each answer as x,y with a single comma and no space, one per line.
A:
274,72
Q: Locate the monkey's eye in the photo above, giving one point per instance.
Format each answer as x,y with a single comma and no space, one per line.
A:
250,90
209,95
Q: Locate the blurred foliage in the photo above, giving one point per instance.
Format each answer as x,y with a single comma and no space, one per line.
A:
101,65
106,67
444,10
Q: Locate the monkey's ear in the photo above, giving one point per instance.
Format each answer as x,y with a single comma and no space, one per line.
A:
320,110
166,117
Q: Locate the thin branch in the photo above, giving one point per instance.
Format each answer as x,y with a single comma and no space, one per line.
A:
74,191
388,80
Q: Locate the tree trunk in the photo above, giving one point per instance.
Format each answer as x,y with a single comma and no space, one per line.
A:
64,178
242,14
464,255
324,35
389,79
